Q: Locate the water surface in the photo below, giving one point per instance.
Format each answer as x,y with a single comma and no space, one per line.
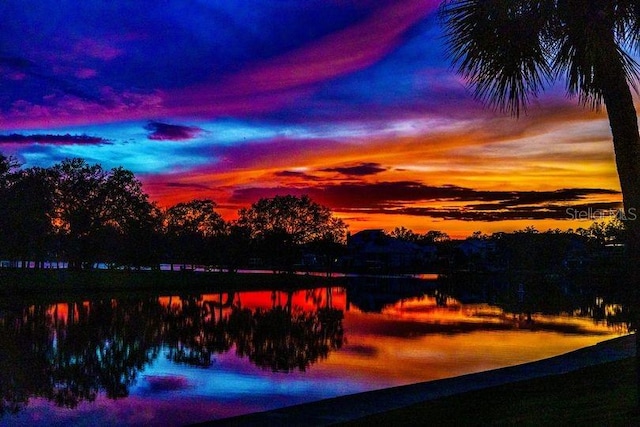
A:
172,360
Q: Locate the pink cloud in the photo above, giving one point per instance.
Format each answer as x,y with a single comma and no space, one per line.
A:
85,73
65,110
98,49
341,53
16,76
274,84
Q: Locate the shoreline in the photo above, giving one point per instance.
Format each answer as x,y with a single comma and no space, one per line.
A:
27,283
355,406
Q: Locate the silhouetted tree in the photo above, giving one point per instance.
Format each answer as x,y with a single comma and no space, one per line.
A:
135,222
102,215
282,224
604,232
329,249
435,236
8,167
80,204
8,174
195,217
430,237
194,230
236,247
405,234
28,210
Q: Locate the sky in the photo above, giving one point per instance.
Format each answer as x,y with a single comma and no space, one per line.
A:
352,102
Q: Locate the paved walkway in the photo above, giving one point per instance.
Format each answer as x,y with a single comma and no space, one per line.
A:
352,407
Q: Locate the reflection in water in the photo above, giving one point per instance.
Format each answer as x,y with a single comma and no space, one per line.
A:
67,353
74,352
282,341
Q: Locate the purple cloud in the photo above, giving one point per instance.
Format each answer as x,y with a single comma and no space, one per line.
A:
166,132
165,383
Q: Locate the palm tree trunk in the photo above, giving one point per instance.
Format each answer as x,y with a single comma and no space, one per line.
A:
626,143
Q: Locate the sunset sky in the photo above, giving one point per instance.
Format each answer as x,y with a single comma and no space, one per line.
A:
352,102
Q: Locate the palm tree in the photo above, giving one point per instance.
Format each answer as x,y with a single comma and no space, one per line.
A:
508,50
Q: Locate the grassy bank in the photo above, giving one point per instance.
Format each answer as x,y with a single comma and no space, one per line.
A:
15,282
601,395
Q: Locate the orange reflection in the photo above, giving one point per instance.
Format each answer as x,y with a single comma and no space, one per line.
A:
414,339
422,339
68,312
306,300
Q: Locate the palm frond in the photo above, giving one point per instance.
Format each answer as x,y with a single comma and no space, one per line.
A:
627,22
590,50
499,47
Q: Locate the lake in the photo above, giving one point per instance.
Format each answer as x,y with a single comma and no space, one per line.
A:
179,359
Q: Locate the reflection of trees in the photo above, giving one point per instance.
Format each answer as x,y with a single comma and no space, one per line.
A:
283,340
195,330
102,345
112,341
70,353
519,297
607,310
24,359
373,294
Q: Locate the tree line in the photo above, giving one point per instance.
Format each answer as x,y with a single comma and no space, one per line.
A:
79,215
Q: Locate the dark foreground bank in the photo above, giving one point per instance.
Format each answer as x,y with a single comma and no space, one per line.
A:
15,282
590,386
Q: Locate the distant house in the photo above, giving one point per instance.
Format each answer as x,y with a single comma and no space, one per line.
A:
577,254
476,254
375,251
550,252
477,247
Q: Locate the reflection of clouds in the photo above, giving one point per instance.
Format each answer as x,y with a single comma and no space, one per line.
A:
361,350
164,383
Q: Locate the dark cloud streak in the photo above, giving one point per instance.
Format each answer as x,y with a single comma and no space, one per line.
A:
186,185
299,175
396,198
362,169
167,132
52,139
